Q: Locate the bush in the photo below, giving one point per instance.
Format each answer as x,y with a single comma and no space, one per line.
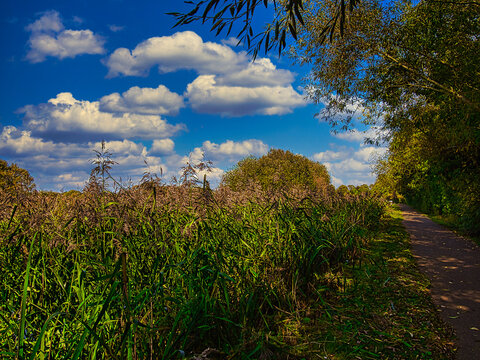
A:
279,170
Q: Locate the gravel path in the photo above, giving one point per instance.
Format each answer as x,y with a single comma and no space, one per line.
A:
452,263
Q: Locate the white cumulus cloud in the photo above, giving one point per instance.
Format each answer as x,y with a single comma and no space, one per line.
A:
329,155
369,153
234,150
123,147
20,142
159,101
229,83
351,166
261,72
206,96
61,166
75,120
232,41
182,50
230,151
356,135
49,21
49,38
162,146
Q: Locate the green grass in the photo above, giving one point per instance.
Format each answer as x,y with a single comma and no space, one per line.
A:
281,280
384,311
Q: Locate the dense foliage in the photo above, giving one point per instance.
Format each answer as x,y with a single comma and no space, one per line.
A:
278,171
14,179
411,71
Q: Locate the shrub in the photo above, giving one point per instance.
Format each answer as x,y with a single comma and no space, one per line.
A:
279,170
14,179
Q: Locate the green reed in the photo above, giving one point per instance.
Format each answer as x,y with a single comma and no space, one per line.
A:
159,281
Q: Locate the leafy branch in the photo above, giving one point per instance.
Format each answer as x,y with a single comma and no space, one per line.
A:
223,14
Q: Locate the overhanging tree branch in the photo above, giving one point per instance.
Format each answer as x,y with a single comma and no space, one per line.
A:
441,88
287,14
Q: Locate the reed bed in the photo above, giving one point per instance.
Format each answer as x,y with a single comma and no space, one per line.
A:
171,272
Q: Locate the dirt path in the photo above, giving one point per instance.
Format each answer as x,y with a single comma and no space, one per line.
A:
452,264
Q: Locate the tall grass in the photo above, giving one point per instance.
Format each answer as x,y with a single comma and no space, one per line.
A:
159,272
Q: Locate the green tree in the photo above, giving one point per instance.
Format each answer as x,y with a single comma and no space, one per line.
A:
412,71
14,179
278,170
394,58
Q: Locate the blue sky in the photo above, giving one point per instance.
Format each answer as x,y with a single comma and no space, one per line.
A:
76,73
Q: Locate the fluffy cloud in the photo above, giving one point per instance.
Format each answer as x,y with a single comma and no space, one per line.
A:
186,50
214,176
62,166
159,101
183,50
20,143
232,41
329,155
370,153
229,83
162,147
206,96
124,147
350,166
262,72
351,172
73,120
48,22
49,38
70,180
229,151
364,154
353,136
233,151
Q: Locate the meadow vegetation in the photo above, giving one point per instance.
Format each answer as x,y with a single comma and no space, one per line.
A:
156,271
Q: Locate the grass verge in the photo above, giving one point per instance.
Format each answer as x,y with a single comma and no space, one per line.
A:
381,308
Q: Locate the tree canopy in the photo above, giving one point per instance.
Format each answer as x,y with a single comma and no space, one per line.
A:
277,170
14,179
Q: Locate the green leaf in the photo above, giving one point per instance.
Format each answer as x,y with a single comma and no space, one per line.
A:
299,15
293,31
36,347
21,335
